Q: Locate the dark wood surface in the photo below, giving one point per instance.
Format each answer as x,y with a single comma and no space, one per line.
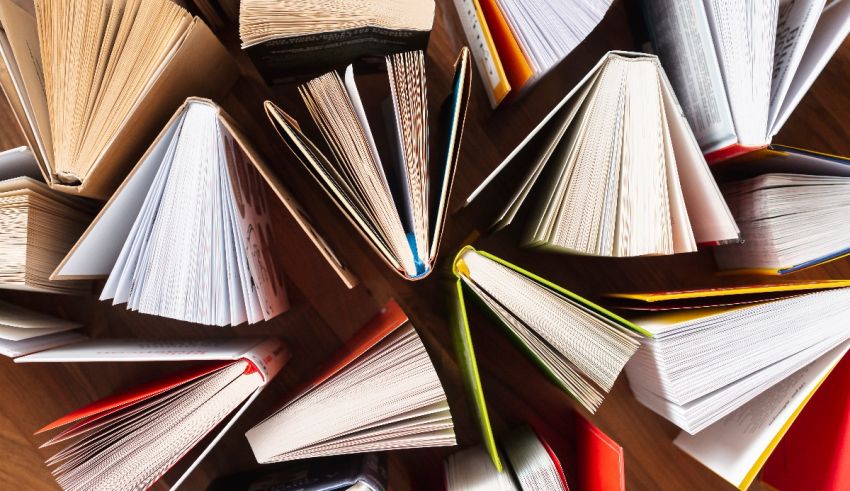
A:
324,313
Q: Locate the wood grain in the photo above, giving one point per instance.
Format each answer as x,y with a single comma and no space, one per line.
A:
324,313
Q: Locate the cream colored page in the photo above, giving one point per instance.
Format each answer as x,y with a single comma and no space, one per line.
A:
21,31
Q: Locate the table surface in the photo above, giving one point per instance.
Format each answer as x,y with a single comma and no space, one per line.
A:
324,313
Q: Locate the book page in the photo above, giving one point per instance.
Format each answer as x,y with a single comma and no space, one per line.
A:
831,30
797,20
682,40
136,350
18,162
735,447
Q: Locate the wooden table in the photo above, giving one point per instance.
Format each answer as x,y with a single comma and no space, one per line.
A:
324,313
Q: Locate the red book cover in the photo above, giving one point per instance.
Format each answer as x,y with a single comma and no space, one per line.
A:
137,394
730,152
601,461
815,453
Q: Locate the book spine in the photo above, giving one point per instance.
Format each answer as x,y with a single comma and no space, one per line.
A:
267,357
483,50
276,59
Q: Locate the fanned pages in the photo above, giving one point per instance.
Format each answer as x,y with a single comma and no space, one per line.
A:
129,440
472,469
37,226
380,392
741,67
515,42
281,36
91,81
792,213
189,234
703,363
399,207
619,172
24,331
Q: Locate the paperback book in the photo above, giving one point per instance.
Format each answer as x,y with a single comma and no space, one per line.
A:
393,185
618,173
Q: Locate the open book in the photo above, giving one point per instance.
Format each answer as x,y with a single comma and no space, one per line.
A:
189,234
129,440
740,67
708,359
38,226
533,465
579,345
282,37
791,208
393,185
618,172
91,82
24,331
517,42
737,446
379,392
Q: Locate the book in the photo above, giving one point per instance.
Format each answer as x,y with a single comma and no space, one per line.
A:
788,203
204,171
379,392
359,472
92,82
703,363
740,68
39,226
314,35
384,185
130,440
24,331
516,43
533,466
737,446
814,454
649,192
580,346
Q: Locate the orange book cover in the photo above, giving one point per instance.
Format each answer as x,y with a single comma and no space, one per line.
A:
517,68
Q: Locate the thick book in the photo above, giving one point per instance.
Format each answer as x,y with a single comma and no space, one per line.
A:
618,172
814,455
391,176
580,346
379,392
24,331
129,440
515,43
739,67
737,446
533,466
358,472
39,226
92,82
706,361
214,248
790,206
314,35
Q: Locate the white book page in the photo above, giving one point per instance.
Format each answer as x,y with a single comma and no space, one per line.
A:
590,75
744,33
797,20
23,347
709,216
683,41
249,201
733,446
830,32
97,251
135,350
